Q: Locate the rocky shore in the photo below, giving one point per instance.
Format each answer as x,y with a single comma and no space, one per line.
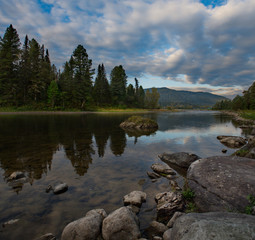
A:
217,203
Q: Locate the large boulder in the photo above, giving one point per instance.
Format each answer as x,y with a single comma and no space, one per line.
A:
167,204
135,198
86,228
121,224
222,183
181,159
232,141
212,226
60,188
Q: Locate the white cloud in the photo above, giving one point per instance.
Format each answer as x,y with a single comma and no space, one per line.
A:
164,38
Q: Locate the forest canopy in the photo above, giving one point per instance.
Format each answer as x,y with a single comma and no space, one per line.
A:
28,78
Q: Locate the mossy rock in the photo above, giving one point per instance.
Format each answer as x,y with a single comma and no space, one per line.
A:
139,123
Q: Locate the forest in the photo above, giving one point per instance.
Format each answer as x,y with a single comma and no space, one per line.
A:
245,102
28,80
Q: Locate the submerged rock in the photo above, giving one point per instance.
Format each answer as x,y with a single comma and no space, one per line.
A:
153,175
121,224
47,236
162,169
167,204
222,183
232,141
213,226
181,159
88,227
60,188
16,175
135,198
10,222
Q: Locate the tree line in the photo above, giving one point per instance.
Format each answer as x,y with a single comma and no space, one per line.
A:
245,102
27,78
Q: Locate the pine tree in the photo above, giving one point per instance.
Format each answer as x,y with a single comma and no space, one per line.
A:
118,85
24,72
101,92
83,73
53,94
9,57
141,97
131,97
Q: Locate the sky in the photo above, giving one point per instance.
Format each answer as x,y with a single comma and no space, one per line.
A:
197,45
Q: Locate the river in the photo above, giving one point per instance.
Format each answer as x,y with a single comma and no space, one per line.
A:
96,158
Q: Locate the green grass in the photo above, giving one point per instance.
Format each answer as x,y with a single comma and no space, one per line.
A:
188,194
249,208
248,114
241,152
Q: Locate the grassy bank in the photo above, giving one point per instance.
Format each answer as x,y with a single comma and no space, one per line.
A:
248,114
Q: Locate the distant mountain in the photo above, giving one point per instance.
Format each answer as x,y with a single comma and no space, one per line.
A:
186,99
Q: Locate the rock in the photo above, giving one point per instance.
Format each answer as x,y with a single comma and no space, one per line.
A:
88,227
153,175
156,229
174,185
139,123
48,236
167,204
173,219
232,141
60,188
162,169
135,198
16,175
181,159
157,238
10,222
222,183
121,224
224,150
253,131
213,226
167,234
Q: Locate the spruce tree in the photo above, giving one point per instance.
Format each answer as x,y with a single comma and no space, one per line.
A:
131,98
101,92
83,73
9,58
118,85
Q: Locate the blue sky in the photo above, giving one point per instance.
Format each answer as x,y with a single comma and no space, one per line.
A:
181,44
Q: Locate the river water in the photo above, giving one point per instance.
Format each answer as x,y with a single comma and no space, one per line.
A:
97,159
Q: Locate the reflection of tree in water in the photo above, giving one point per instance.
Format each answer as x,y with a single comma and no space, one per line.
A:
28,142
21,148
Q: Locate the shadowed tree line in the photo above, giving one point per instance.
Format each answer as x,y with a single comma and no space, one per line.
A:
27,78
245,102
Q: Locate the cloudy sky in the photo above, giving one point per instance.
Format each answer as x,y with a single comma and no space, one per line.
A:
181,44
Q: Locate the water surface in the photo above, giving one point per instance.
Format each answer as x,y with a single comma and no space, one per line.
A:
97,159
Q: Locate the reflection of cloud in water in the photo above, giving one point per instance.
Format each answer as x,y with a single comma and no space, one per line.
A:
181,134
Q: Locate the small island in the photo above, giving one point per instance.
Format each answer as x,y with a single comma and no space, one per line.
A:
139,123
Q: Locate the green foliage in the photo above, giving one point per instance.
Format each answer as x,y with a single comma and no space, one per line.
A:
249,208
241,152
101,91
140,120
248,114
188,194
9,58
191,207
118,85
152,98
27,78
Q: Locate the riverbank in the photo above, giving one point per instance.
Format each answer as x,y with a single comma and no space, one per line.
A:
247,117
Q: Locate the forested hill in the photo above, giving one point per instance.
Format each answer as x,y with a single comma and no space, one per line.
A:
183,99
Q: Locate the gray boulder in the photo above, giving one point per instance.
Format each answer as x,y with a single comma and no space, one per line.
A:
232,141
222,183
162,169
181,159
213,226
167,204
156,229
121,224
135,198
86,228
153,175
